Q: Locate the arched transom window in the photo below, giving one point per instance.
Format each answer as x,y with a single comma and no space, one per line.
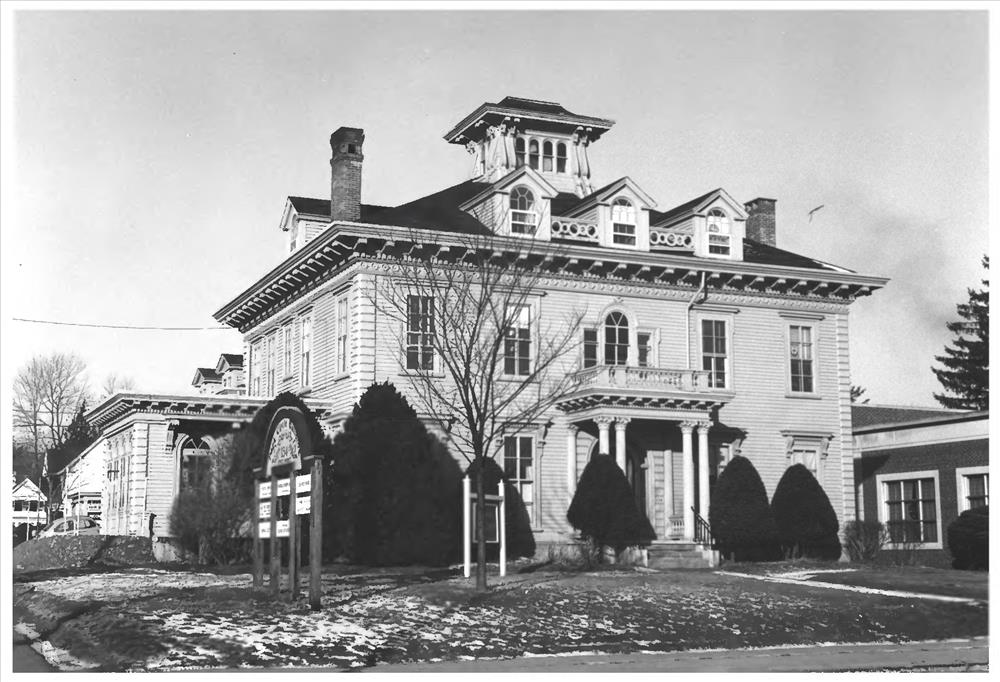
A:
615,339
523,216
623,222
195,463
719,232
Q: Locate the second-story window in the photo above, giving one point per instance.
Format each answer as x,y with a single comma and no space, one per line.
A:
645,348
271,361
623,222
714,352
589,348
305,355
420,332
547,156
287,340
561,157
342,334
616,339
523,217
517,344
800,352
718,232
255,367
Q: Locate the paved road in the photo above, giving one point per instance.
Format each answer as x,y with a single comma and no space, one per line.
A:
967,654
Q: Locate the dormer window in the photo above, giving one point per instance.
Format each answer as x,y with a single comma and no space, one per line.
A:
523,218
623,222
718,233
561,157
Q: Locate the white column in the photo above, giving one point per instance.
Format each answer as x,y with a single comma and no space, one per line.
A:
620,424
668,490
686,428
604,445
703,470
571,431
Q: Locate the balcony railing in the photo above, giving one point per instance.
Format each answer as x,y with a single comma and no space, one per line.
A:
577,230
654,378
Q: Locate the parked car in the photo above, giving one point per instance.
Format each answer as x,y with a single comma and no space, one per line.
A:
73,525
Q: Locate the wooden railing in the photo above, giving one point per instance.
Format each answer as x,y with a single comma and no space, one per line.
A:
621,376
575,229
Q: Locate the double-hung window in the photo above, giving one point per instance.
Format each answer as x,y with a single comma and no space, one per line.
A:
255,366
517,342
909,508
287,348
589,348
645,341
305,354
342,327
623,222
518,467
715,352
420,332
719,233
800,354
973,487
271,361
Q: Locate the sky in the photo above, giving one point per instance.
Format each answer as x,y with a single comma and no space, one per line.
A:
150,152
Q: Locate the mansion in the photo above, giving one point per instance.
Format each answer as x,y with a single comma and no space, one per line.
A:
699,339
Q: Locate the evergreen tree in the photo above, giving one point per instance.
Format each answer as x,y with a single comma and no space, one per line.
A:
604,508
740,516
966,372
806,522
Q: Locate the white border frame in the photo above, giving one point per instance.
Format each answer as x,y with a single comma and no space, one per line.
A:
882,479
729,320
813,325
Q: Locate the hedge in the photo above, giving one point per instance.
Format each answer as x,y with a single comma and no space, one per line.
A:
806,522
740,516
604,508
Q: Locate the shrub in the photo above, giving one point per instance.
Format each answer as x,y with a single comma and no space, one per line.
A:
864,539
211,520
740,517
806,522
520,538
969,540
604,509
394,492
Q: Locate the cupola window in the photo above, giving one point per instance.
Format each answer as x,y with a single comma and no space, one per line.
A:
561,157
615,339
523,217
547,156
623,222
519,152
533,154
718,232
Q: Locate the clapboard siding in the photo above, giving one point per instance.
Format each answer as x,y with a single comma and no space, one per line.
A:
137,478
162,468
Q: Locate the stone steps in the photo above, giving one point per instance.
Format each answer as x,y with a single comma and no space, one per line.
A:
668,555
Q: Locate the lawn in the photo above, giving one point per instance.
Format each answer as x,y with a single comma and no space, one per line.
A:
148,619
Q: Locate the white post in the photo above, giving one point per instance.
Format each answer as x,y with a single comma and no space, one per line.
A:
466,525
688,511
703,470
620,424
668,490
603,443
503,529
571,431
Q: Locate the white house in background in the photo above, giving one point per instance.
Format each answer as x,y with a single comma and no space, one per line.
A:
30,504
82,483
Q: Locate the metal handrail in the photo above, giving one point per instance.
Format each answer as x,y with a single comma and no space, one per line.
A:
702,531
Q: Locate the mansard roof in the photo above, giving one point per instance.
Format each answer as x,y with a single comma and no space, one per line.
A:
539,113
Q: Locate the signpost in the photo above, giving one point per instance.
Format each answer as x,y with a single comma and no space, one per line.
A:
281,499
496,506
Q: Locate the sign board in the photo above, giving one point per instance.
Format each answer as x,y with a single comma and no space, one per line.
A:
282,528
288,440
302,504
265,490
303,484
284,487
265,529
492,524
265,510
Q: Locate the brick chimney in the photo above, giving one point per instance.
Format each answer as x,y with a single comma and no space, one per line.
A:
760,221
345,173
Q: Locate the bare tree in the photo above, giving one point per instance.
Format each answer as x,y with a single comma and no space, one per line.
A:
114,383
472,348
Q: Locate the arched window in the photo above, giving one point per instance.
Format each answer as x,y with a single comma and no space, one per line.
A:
195,463
615,339
561,157
547,156
519,152
718,232
533,154
623,222
523,217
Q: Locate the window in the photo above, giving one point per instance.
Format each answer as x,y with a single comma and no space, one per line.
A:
800,352
615,339
342,335
623,222
305,354
909,508
271,360
547,156
517,344
533,154
807,457
973,487
523,218
714,353
420,332
718,233
195,464
287,348
589,347
518,467
519,152
18,505
561,157
645,348
255,368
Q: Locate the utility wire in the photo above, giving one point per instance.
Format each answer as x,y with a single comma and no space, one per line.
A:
118,326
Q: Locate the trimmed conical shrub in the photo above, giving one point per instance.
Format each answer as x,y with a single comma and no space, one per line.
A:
806,522
604,508
520,538
740,517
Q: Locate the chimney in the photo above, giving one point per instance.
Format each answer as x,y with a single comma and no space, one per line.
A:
760,221
345,173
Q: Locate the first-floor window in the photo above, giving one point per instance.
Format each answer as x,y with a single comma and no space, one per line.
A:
911,510
518,467
807,457
420,332
589,347
800,352
714,352
517,344
195,464
973,487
